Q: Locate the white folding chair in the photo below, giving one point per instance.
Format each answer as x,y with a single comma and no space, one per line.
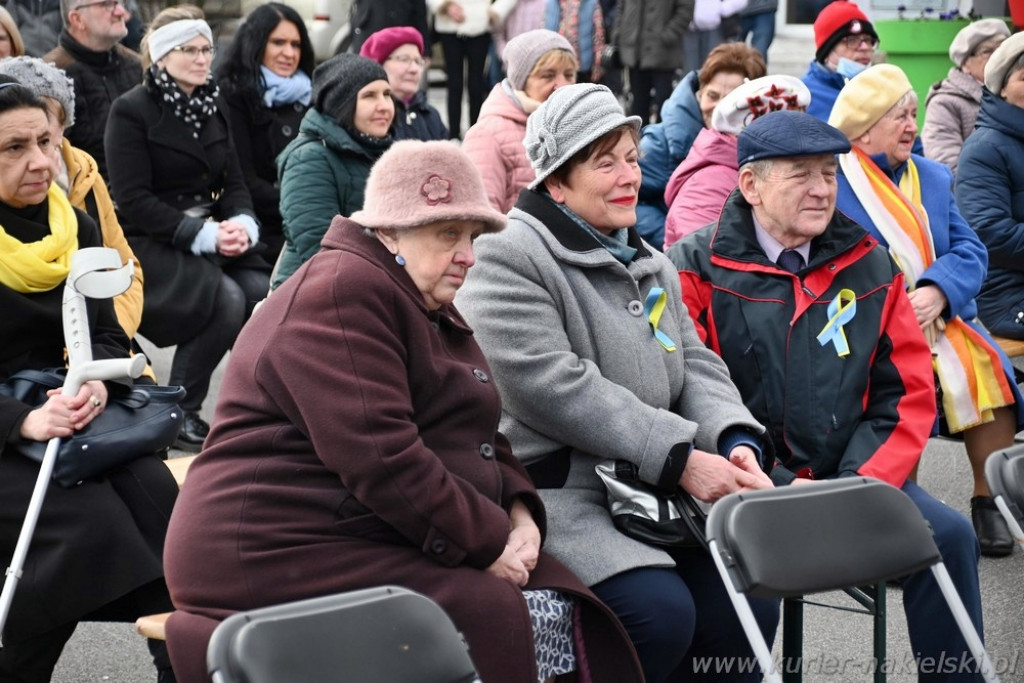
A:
830,535
367,636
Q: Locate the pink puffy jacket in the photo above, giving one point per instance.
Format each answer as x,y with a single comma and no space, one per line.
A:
700,185
495,144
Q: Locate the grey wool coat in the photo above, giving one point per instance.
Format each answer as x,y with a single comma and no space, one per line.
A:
950,111
581,376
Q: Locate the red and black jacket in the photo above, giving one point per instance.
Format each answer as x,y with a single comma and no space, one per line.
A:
869,413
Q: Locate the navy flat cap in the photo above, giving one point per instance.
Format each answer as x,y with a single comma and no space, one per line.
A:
788,134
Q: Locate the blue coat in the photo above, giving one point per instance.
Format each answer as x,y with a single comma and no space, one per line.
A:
961,260
663,146
990,190
824,86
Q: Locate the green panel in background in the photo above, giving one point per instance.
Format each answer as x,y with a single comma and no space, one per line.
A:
921,48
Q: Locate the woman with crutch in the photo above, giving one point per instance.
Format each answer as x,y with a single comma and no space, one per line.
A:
96,551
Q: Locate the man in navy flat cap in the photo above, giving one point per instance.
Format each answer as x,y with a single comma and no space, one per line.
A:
811,315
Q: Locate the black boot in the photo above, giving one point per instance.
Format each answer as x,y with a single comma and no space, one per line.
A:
193,433
993,534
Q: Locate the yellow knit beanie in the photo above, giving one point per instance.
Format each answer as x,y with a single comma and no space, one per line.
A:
867,97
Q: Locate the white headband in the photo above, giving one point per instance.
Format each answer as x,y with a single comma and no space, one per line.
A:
170,36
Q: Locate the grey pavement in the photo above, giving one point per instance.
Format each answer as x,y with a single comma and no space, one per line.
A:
837,644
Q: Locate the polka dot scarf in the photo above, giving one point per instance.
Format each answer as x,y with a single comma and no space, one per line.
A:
194,110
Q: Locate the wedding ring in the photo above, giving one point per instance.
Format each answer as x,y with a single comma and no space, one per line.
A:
95,401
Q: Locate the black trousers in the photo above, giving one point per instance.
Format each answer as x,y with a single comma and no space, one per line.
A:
195,360
465,60
641,83
33,660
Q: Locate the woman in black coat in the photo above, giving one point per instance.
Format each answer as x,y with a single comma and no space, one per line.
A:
96,551
185,208
265,82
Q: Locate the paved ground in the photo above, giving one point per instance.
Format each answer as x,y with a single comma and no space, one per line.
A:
837,644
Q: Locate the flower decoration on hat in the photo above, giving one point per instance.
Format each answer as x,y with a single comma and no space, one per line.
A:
543,148
437,190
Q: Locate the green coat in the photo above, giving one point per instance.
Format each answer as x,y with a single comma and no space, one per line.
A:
322,174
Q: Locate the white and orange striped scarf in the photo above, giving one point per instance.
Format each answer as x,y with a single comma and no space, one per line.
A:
968,368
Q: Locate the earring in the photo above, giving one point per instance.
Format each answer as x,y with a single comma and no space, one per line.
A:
400,260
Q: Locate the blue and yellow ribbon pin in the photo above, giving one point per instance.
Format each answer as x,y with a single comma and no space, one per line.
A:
653,308
840,311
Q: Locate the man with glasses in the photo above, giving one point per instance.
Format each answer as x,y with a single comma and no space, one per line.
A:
844,42
101,68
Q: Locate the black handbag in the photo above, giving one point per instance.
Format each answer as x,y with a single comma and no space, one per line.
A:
648,514
135,423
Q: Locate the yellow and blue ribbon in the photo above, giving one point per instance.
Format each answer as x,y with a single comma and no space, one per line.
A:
840,311
653,308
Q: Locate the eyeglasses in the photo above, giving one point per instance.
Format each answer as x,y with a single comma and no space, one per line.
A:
407,60
107,5
193,52
854,42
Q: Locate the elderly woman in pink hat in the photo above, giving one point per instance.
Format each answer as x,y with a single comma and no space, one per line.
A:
356,445
399,49
537,62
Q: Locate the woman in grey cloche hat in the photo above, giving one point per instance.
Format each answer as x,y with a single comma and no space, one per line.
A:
597,359
952,104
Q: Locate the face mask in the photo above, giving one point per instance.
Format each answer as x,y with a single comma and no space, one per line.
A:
849,68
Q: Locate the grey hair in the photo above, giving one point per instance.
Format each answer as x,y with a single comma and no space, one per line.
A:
759,167
908,97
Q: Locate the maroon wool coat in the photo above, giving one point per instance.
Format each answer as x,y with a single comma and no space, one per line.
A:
355,444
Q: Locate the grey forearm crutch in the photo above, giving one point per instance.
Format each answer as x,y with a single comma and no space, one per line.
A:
96,273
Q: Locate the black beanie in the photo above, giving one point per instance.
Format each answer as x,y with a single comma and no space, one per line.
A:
337,81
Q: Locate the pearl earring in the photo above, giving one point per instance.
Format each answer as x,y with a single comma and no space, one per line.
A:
400,260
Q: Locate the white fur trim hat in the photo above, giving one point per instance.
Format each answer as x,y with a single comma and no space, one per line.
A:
756,98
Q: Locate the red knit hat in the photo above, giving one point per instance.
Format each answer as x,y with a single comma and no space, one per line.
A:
381,44
838,20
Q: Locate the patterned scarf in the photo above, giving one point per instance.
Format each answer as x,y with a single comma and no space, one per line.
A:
41,266
969,369
569,27
195,109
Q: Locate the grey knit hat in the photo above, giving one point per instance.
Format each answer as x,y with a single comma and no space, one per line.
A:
415,183
43,79
569,120
998,67
337,81
974,34
524,51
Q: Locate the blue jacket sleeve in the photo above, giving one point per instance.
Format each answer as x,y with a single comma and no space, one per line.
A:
984,192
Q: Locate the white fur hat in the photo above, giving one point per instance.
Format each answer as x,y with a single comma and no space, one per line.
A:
758,97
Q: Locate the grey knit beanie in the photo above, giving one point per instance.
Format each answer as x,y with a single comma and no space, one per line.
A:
524,51
569,120
337,81
43,79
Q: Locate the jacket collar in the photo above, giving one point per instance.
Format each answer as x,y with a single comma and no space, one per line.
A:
349,236
734,238
569,235
85,55
997,113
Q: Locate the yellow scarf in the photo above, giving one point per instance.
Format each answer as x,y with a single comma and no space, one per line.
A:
969,369
41,266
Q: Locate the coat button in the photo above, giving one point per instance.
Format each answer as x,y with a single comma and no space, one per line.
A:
197,197
481,375
487,451
635,308
286,131
438,546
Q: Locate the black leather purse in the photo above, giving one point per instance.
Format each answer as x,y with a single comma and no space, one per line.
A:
135,423
648,514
